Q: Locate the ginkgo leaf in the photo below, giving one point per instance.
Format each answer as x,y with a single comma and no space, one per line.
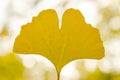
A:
75,40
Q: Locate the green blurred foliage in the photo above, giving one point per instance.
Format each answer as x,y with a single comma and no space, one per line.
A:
99,75
108,14
11,67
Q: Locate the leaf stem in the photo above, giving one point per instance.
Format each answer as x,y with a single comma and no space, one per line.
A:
58,76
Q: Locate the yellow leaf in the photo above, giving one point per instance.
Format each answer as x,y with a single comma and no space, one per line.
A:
75,40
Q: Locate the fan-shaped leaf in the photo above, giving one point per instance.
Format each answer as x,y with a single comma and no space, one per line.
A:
75,40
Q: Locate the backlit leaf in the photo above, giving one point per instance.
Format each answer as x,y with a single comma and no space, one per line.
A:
75,40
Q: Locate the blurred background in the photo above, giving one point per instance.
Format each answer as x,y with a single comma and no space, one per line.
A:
102,14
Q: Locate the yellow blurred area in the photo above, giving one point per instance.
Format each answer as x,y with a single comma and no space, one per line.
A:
11,68
102,14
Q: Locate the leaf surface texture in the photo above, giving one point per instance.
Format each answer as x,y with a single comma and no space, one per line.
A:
75,40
